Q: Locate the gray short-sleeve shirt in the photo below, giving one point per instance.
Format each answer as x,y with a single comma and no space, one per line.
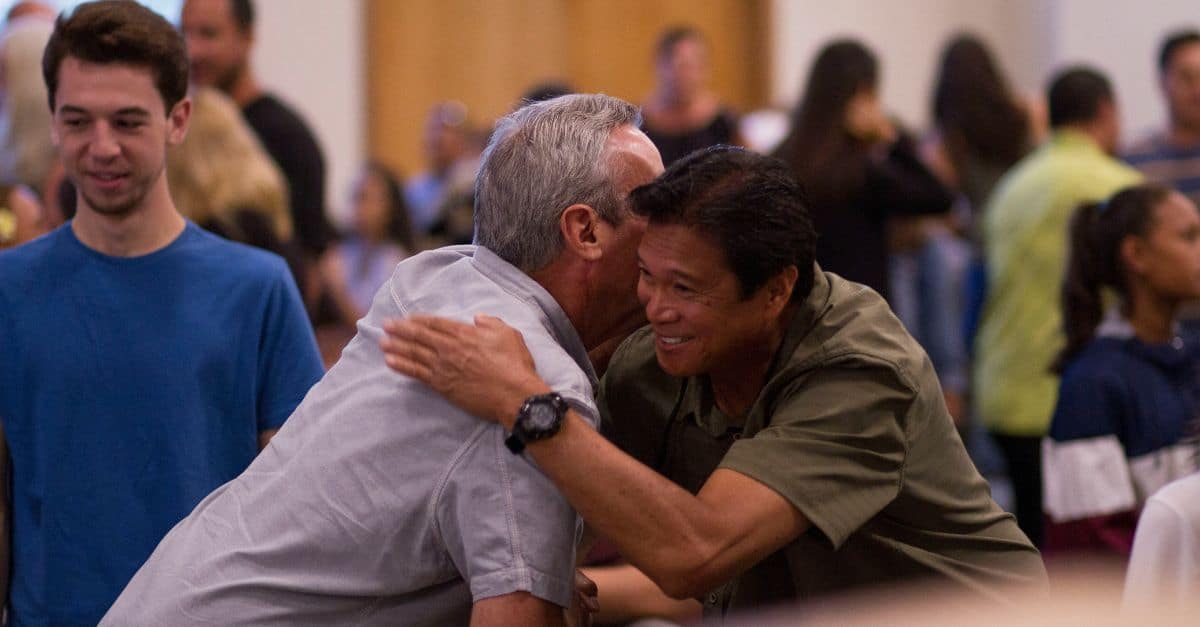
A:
378,503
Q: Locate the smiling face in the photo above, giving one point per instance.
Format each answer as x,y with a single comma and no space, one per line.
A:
112,134
702,323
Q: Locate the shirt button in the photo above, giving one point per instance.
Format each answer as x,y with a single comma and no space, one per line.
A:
712,598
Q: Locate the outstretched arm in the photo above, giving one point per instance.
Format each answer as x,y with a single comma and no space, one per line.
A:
688,544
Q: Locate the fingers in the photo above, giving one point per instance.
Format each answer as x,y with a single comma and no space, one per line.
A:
409,368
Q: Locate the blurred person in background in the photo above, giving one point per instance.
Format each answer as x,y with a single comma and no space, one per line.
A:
21,216
451,155
1172,155
683,114
1025,241
220,40
380,237
26,151
1130,387
222,179
857,168
1164,566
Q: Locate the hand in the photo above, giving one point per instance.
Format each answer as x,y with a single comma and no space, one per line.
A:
867,121
485,368
586,602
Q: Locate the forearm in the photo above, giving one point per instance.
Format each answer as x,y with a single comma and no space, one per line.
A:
662,529
627,594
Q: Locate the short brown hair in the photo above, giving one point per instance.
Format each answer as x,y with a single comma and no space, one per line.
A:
119,31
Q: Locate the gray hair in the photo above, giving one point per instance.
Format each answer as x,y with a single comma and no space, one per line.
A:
543,158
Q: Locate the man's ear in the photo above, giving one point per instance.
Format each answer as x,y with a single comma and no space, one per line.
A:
578,225
779,289
177,121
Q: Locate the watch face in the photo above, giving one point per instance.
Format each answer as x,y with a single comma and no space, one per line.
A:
541,417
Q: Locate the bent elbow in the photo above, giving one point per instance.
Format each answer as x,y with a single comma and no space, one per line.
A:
689,579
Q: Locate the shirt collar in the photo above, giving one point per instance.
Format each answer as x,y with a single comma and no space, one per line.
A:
522,286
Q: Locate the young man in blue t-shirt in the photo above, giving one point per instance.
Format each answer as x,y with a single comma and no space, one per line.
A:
145,361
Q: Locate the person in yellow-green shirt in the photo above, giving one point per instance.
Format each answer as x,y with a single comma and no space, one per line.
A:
1025,242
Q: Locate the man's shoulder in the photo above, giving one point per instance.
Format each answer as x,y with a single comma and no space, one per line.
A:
274,120
27,265
857,329
233,259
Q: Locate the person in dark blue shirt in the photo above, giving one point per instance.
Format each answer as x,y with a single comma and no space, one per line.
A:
1130,385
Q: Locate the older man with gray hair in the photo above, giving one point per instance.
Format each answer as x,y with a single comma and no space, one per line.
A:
381,504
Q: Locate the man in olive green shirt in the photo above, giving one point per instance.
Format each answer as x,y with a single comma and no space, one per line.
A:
802,431
1025,238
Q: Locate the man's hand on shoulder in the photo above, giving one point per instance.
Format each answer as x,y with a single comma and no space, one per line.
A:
484,368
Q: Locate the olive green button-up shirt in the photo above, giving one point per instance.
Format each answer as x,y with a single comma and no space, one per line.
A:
852,430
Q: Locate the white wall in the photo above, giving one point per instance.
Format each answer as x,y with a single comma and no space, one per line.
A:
907,37
312,54
1123,39
1032,38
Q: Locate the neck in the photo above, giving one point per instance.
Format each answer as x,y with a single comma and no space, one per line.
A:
245,88
140,231
1152,317
737,386
565,284
1183,136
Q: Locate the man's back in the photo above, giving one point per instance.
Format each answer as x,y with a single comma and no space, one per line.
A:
294,148
132,387
380,503
1026,239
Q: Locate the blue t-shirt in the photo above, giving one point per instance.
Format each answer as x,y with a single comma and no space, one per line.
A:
130,389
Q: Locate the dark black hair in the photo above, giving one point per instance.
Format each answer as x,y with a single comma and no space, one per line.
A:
824,155
974,108
243,14
399,223
749,204
119,31
1094,262
672,36
1174,41
1076,94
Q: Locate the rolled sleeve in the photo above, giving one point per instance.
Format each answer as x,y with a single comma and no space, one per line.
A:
506,527
834,447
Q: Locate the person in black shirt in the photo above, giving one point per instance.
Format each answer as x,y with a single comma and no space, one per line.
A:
220,36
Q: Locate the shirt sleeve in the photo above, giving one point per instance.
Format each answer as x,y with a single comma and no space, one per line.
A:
834,447
1085,473
288,361
505,526
1165,562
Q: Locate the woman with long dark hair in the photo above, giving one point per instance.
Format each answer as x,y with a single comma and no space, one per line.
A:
857,168
982,127
1130,385
381,236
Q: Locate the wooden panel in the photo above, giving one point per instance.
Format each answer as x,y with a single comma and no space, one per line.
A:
480,52
485,53
613,45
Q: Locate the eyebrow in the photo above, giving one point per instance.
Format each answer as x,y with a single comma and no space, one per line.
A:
125,111
673,272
